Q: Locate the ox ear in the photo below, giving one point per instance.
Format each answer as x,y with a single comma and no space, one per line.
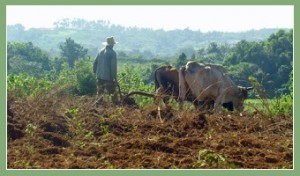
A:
249,88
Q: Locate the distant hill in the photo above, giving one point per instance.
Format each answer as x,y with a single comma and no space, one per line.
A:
143,41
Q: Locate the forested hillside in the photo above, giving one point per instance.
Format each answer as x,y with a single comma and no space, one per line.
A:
139,41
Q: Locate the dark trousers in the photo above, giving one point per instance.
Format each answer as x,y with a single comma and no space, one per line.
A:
104,86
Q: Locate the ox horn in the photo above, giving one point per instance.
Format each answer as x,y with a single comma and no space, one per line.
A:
249,88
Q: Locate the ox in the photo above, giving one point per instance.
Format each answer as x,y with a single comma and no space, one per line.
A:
211,82
166,80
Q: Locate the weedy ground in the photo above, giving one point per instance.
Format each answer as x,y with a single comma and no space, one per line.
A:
56,131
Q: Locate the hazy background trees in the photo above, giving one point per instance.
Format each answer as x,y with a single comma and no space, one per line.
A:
266,55
147,42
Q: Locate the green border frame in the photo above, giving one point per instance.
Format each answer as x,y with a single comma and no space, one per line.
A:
4,171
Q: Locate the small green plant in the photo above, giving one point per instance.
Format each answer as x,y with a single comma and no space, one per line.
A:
104,126
82,145
212,159
72,112
105,129
30,148
78,123
30,129
90,135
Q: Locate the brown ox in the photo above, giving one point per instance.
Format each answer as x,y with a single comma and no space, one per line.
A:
211,82
166,80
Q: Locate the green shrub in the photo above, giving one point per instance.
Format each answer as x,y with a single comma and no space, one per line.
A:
131,79
66,80
85,78
78,81
282,105
24,85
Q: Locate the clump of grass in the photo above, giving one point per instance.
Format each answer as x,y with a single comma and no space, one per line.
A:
282,105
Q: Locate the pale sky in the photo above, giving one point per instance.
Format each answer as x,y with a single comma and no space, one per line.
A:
197,17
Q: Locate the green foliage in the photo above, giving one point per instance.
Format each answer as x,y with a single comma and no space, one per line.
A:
78,81
104,126
105,129
85,78
24,85
66,80
212,160
270,61
242,72
181,60
73,112
26,58
278,106
72,51
57,64
290,85
283,105
131,79
30,129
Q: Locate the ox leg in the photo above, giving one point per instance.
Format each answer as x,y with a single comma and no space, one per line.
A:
217,105
180,101
182,87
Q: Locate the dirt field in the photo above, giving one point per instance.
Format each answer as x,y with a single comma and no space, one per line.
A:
63,132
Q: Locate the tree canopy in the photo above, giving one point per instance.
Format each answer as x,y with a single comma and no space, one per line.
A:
271,61
26,58
72,51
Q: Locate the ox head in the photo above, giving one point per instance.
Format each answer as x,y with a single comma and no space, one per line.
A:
236,96
243,91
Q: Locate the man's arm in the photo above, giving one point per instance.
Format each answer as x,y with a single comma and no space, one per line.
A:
95,64
113,66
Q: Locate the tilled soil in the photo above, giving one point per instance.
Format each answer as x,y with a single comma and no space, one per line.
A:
58,132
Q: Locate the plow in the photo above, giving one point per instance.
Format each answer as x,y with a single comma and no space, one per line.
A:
126,98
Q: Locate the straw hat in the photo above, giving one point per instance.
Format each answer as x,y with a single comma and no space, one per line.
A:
109,41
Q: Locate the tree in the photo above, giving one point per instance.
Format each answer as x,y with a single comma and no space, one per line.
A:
213,48
26,58
188,50
273,57
181,60
72,51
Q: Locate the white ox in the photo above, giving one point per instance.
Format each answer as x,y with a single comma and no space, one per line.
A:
211,82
